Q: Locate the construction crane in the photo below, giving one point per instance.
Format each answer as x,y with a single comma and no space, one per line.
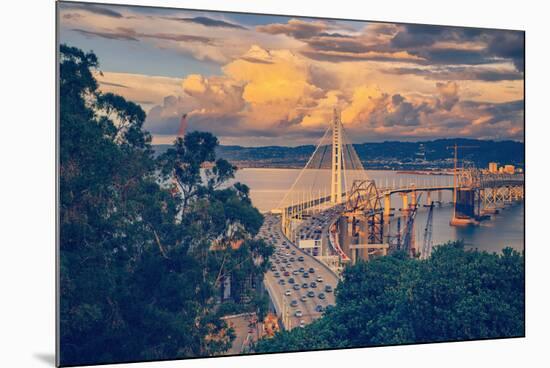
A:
427,246
408,236
408,231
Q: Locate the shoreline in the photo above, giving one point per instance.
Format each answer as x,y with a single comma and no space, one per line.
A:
442,172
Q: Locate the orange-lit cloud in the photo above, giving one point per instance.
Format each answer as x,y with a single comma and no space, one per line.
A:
266,93
278,83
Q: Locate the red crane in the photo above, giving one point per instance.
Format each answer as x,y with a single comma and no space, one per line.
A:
183,126
174,189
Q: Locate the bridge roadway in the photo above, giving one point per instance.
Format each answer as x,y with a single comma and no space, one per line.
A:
317,227
271,231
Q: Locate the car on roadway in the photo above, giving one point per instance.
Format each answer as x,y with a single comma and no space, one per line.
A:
328,288
303,298
295,272
291,280
286,273
288,292
294,303
319,308
301,269
322,296
311,294
301,258
313,284
298,313
305,275
293,252
282,282
296,287
311,270
291,259
277,274
273,268
302,323
319,279
305,285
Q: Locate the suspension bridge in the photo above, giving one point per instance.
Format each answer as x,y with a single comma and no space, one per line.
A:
334,215
361,213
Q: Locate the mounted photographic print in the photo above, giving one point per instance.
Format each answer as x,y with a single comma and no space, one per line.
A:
233,183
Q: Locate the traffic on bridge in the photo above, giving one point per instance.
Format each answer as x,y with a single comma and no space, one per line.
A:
300,286
334,215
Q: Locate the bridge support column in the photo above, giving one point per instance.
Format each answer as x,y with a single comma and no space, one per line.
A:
405,199
440,197
364,234
508,193
387,205
428,198
413,199
336,173
464,212
343,234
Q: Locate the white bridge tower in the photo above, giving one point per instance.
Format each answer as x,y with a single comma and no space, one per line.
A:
336,176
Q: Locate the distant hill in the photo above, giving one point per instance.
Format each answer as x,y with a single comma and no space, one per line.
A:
435,154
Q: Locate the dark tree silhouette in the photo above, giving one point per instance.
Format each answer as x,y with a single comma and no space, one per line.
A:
140,263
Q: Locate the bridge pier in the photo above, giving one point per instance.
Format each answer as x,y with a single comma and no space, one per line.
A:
405,199
464,211
387,205
343,234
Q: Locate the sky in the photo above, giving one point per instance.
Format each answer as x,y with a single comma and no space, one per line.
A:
260,80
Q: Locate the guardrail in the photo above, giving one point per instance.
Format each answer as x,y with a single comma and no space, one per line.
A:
273,296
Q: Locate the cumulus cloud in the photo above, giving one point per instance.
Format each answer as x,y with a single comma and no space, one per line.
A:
119,34
208,22
448,95
91,8
278,81
214,95
203,38
163,119
297,28
371,107
128,34
276,93
509,45
421,44
144,89
486,74
324,42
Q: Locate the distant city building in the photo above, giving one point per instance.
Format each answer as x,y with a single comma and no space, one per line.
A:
493,167
509,169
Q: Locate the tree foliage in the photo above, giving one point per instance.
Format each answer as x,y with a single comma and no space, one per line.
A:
140,262
454,295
